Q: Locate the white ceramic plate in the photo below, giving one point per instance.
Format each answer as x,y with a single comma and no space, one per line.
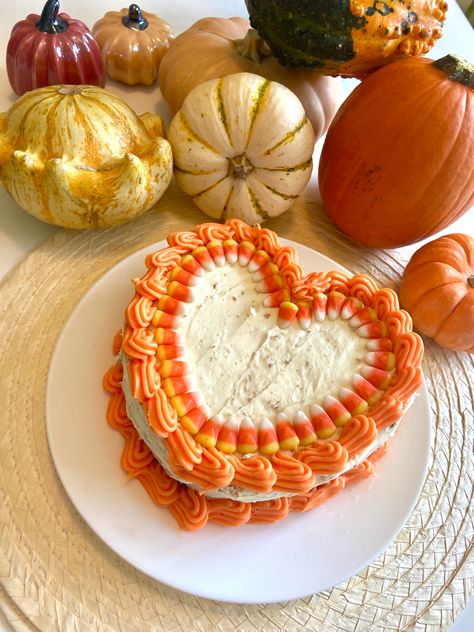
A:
303,554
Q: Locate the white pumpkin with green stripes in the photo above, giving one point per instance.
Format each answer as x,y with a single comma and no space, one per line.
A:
242,147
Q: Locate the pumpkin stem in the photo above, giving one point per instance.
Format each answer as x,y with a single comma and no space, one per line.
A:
134,19
470,281
252,46
457,69
240,166
49,22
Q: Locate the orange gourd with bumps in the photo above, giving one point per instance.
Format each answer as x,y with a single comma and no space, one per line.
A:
438,290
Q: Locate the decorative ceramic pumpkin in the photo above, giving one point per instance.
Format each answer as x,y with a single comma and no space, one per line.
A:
133,43
242,147
78,156
348,38
438,290
396,165
227,46
50,49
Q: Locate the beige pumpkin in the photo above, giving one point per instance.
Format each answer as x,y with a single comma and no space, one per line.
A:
242,147
79,157
215,47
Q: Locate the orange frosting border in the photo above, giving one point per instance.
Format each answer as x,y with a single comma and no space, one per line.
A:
191,509
294,471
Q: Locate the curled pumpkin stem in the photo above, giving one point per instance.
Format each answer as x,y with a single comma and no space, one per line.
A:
457,69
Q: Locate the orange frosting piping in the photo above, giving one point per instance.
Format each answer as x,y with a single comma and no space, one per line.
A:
269,511
187,240
160,414
138,344
112,381
144,378
117,413
408,350
317,496
254,473
292,475
162,489
386,412
378,454
384,302
324,457
212,472
190,509
398,323
139,311
228,512
212,231
117,344
183,450
358,433
359,473
407,382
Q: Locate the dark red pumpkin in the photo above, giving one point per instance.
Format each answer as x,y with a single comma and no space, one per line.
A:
52,49
397,162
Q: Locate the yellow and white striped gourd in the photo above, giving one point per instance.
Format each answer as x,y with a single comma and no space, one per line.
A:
78,156
242,147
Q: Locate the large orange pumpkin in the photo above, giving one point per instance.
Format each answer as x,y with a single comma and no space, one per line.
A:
438,290
397,163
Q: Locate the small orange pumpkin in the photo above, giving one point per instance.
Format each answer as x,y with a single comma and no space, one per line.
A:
438,290
396,165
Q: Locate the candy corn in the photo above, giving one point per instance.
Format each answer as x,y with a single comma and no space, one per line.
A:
247,437
319,306
352,401
216,250
180,292
171,305
267,437
185,402
203,257
209,431
365,389
231,251
304,428
286,314
172,368
191,265
381,359
169,352
167,336
287,436
275,299
227,439
162,319
338,413
334,304
351,306
183,276
267,270
258,259
270,284
378,377
322,422
246,250
377,329
195,419
304,315
365,315
379,344
177,385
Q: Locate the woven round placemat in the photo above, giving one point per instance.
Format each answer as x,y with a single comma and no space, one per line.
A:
56,574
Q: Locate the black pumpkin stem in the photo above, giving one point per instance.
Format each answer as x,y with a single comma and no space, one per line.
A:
49,21
135,19
457,69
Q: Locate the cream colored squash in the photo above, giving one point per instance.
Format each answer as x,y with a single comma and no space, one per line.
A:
242,147
79,157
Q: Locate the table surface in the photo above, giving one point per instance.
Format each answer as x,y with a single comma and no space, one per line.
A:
20,233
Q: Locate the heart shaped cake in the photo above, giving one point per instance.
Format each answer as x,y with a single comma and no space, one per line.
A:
246,389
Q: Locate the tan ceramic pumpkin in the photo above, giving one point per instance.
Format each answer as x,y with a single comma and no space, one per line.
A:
133,43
